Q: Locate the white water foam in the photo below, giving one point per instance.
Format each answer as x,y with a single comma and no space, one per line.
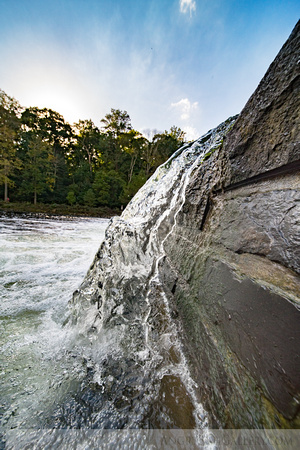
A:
124,328
42,261
130,301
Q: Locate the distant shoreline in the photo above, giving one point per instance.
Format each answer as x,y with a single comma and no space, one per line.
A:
58,210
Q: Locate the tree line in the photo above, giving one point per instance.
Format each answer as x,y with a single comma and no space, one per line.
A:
44,159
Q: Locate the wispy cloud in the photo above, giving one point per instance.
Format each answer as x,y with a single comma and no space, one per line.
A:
187,6
185,107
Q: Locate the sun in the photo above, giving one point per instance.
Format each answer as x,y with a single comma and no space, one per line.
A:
47,85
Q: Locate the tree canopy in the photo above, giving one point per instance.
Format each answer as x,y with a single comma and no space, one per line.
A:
45,159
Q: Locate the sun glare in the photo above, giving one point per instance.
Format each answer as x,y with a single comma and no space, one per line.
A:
57,99
54,92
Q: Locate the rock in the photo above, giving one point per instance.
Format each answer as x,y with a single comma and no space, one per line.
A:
267,134
237,263
210,247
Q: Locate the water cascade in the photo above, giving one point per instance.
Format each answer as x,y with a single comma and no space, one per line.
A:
122,365
139,376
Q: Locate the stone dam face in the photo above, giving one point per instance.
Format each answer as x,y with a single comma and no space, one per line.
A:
211,246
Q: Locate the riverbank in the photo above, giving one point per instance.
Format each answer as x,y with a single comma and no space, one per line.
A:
59,210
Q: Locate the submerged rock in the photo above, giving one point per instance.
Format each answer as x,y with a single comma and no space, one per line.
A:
203,268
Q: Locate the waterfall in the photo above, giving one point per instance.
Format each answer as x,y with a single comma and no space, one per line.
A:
138,367
123,342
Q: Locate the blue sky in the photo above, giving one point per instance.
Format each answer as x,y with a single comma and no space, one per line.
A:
189,63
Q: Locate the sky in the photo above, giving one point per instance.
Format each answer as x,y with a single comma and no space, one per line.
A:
188,63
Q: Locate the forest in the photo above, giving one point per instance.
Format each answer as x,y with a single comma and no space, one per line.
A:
45,160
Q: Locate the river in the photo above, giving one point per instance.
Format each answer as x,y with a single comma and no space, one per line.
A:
47,373
42,261
112,358
45,363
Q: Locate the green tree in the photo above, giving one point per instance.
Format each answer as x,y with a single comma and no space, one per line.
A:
9,138
37,174
108,187
71,198
115,125
116,122
86,145
177,134
53,130
90,198
165,144
132,144
149,159
82,180
42,156
131,188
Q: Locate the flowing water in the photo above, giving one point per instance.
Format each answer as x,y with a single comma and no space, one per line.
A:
114,359
48,366
42,261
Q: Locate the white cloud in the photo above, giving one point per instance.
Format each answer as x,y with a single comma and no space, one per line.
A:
191,134
187,5
185,107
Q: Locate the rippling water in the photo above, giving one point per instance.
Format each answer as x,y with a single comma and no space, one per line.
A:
42,261
115,359
52,375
